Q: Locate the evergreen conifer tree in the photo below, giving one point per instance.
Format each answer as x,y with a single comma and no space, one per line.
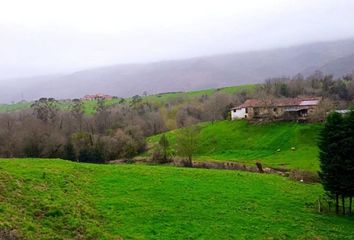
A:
331,156
349,158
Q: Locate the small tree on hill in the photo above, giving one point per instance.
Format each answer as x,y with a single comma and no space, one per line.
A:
162,152
187,142
165,147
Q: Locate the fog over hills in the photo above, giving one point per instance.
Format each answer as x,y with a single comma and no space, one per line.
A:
125,80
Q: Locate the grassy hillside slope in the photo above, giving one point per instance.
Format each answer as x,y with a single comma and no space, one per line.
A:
89,107
162,98
55,199
14,106
270,144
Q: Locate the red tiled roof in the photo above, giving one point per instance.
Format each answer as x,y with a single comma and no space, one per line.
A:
279,102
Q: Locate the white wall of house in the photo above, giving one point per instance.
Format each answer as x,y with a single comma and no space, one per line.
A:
238,113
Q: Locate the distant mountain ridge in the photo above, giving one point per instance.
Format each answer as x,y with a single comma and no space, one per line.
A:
336,57
339,66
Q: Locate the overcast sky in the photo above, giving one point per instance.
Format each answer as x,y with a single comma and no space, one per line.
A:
57,36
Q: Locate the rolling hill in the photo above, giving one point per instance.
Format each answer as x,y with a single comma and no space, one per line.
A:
56,199
160,99
187,74
339,66
271,144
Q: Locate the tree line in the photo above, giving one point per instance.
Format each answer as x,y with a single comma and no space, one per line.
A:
118,131
317,84
48,132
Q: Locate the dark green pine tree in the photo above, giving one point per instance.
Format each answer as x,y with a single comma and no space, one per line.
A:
349,158
331,156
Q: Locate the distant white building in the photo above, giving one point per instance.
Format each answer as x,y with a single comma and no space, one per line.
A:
239,113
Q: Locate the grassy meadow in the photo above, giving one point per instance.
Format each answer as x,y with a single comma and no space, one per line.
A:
272,144
165,97
56,199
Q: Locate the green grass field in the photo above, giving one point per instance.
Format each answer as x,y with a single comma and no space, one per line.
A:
247,143
56,199
90,106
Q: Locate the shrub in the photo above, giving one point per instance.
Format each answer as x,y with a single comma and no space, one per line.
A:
159,157
69,152
90,155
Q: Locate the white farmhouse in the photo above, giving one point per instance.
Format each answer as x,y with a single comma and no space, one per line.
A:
238,113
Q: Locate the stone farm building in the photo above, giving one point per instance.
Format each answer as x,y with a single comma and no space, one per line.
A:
97,96
276,109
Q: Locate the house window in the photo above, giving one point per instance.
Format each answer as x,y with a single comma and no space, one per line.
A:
275,109
234,110
246,110
245,116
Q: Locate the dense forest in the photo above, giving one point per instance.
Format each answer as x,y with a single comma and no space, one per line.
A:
119,131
